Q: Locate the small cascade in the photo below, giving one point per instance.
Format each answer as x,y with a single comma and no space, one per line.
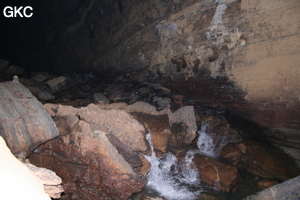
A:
170,179
205,142
189,175
208,145
174,181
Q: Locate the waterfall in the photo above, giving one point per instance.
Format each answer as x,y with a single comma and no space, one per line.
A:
205,142
212,147
170,179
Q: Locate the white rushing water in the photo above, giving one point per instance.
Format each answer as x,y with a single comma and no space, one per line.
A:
209,146
170,179
205,142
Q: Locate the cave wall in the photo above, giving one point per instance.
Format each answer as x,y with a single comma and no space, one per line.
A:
243,55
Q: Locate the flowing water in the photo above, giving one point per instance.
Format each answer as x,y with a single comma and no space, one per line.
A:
174,181
166,177
205,142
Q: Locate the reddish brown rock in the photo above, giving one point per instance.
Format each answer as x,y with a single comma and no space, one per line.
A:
145,167
159,128
269,163
173,131
65,124
223,177
264,184
128,154
94,170
231,152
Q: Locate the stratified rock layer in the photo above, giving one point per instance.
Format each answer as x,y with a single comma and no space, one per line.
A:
24,122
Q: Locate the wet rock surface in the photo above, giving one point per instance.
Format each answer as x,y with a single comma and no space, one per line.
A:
267,163
217,174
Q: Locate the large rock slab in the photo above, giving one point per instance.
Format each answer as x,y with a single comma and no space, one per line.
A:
159,128
16,180
118,122
183,127
221,176
268,163
169,131
91,166
24,122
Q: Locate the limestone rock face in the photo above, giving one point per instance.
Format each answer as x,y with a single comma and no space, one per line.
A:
16,180
24,122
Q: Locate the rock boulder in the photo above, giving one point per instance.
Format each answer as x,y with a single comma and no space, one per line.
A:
221,176
24,122
121,124
92,167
